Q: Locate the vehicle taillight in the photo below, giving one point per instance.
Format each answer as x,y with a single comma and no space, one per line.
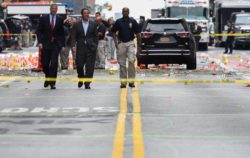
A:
146,34
7,35
182,34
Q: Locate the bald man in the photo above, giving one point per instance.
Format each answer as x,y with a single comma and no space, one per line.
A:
100,55
127,29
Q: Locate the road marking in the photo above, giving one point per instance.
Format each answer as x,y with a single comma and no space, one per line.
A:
138,144
148,80
119,137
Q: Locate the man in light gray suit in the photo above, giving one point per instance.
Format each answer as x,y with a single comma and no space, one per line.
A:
84,41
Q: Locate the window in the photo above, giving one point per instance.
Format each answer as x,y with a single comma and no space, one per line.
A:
163,26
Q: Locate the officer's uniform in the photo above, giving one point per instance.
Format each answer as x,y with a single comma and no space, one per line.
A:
127,28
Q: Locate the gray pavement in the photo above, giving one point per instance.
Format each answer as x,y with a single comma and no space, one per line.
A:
178,120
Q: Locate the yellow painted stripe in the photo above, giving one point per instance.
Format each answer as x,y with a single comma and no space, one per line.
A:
118,146
138,150
123,101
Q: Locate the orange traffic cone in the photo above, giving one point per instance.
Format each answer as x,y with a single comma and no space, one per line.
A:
39,67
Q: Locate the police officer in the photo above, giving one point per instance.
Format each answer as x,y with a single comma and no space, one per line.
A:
126,28
197,30
141,22
230,39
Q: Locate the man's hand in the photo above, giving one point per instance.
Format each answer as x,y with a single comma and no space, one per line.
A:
100,34
73,49
116,46
40,45
138,49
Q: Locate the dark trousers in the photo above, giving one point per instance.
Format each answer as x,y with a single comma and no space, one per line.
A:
50,62
87,70
197,41
229,44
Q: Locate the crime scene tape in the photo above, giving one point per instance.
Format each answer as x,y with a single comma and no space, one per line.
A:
226,34
186,81
16,34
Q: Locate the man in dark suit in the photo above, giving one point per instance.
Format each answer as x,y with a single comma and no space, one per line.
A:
84,41
50,36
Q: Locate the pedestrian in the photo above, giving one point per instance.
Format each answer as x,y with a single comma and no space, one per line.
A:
141,22
19,28
230,38
100,55
98,14
211,31
50,36
197,30
64,54
127,28
110,44
84,41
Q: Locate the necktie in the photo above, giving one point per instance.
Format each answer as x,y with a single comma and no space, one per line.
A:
52,27
52,22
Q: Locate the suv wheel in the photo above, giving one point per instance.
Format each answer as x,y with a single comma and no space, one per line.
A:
1,49
191,63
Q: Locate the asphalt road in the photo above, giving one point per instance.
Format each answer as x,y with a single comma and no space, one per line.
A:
173,120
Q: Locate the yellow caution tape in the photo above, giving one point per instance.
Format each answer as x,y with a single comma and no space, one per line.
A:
186,81
225,34
18,34
203,34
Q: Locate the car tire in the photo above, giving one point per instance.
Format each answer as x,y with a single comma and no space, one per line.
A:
191,63
1,49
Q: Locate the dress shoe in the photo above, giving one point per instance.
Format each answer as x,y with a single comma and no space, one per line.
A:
132,85
52,86
80,84
46,84
123,86
87,86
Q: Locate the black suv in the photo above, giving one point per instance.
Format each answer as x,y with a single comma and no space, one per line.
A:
167,40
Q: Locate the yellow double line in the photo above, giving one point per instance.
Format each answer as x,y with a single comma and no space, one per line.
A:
138,145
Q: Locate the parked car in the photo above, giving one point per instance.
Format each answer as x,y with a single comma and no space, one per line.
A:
241,21
19,24
167,40
5,35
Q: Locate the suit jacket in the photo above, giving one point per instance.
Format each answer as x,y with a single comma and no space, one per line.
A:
197,31
84,43
44,32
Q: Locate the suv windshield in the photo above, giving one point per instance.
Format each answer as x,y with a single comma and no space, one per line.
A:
163,26
242,20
